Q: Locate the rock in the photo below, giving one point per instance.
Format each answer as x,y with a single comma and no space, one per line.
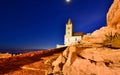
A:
113,16
58,65
97,36
88,61
70,56
92,61
76,60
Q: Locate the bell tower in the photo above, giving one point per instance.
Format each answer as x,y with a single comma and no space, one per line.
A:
69,28
69,32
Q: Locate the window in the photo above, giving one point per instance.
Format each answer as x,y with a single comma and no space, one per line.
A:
68,28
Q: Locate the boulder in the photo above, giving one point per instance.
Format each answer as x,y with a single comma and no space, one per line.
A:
113,16
58,65
98,36
92,61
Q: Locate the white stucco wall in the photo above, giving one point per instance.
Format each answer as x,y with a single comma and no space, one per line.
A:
72,39
59,46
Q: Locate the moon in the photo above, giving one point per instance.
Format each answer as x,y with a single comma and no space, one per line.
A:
68,1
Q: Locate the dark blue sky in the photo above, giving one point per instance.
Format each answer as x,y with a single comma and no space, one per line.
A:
41,23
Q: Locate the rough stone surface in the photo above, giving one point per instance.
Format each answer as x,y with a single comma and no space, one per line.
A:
90,61
98,36
58,64
113,16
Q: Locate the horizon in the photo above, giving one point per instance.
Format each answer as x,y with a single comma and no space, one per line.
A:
38,24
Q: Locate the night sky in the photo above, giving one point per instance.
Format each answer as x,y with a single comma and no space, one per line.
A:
41,23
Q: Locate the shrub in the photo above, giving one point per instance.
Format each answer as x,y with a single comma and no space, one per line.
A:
112,40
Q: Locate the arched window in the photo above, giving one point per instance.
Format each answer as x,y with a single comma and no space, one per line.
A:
68,28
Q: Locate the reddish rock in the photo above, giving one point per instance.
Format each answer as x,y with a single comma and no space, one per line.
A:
113,16
89,61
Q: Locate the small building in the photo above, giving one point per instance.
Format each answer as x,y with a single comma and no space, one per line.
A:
71,37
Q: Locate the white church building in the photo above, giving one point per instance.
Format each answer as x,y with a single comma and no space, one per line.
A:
71,37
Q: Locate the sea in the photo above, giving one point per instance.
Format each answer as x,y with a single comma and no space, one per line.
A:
18,51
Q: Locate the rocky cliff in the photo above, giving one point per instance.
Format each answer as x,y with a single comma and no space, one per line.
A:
92,57
88,61
113,16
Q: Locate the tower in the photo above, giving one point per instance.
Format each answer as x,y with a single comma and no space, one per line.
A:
69,32
69,28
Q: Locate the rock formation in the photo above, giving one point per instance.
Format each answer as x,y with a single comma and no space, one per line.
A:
91,57
113,16
113,25
77,60
92,61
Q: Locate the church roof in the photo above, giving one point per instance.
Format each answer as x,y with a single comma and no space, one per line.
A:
69,21
78,34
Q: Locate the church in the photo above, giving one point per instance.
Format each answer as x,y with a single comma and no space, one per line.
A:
71,37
